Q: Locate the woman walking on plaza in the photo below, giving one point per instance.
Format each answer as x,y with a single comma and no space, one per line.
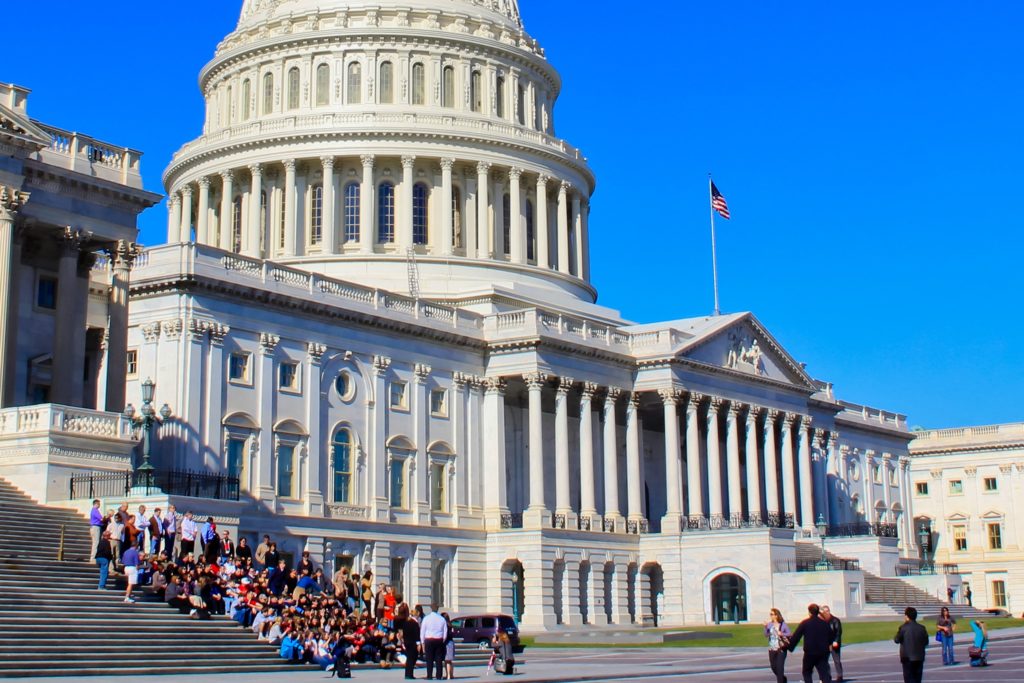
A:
944,627
778,634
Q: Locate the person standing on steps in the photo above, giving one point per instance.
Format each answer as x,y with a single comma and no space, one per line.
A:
410,630
778,634
130,560
104,556
172,540
913,641
95,527
837,639
189,530
817,637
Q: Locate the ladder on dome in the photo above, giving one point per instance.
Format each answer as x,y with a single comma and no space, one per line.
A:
414,272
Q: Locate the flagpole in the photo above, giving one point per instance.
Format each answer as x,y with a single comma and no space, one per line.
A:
714,254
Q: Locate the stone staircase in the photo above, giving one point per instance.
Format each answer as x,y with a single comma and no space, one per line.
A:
889,596
54,621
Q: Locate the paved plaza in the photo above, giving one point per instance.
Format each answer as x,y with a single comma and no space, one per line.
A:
871,662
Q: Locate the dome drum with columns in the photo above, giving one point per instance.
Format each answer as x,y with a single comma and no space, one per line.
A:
341,137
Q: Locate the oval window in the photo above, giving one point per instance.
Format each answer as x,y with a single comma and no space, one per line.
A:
344,386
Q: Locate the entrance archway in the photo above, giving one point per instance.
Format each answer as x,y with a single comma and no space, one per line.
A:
586,609
728,598
651,594
512,584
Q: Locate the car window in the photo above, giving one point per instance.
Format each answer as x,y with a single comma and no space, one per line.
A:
470,623
456,623
487,622
506,622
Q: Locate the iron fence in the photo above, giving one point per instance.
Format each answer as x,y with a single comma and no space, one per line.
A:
185,483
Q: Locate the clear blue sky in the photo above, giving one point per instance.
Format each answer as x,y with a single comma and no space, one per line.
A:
871,154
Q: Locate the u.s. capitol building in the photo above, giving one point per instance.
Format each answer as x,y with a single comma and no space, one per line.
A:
375,309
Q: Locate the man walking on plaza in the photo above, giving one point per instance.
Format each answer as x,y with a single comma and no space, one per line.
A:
837,639
817,637
433,634
913,639
95,527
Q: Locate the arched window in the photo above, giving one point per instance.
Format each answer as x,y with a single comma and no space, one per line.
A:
352,212
531,238
397,482
448,86
387,83
228,106
355,83
499,95
246,96
323,85
341,463
419,213
316,214
506,216
268,93
419,85
293,88
236,225
386,213
456,217
521,106
475,95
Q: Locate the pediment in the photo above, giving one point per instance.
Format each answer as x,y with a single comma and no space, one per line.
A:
15,125
743,345
992,515
957,517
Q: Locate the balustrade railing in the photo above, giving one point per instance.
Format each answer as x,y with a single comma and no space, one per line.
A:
831,565
50,417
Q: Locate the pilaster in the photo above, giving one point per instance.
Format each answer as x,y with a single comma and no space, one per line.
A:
315,400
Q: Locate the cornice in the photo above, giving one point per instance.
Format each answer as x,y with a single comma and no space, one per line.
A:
947,449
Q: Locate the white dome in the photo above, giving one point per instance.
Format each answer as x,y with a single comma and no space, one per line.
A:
255,11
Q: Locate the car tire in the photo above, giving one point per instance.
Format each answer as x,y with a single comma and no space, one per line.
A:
483,644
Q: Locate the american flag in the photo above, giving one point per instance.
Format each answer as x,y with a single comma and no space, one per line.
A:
718,202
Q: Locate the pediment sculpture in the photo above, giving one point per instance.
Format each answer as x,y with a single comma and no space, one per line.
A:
745,354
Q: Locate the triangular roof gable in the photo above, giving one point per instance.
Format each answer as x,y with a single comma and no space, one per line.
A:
741,343
15,123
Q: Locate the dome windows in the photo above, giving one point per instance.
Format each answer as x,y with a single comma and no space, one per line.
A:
499,96
387,83
419,85
420,194
448,86
352,212
386,213
316,214
355,83
246,96
268,93
293,88
323,85
476,100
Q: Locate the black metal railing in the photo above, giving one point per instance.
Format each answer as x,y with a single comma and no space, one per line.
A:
832,565
879,529
918,570
512,520
170,482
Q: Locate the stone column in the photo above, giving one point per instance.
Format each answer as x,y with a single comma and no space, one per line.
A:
563,504
715,508
254,230
367,192
469,232
174,218
203,219
405,238
447,216
577,229
498,213
907,528
541,223
330,230
537,515
732,451
290,238
68,359
11,201
117,331
584,244
612,511
185,229
634,472
806,475
789,504
317,443
672,522
886,486
563,228
753,467
694,474
517,231
771,465
227,223
588,503
495,488
484,238
867,461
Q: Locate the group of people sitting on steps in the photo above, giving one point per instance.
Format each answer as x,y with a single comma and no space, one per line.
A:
330,621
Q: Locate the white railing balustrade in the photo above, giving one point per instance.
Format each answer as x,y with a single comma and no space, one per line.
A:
84,154
48,417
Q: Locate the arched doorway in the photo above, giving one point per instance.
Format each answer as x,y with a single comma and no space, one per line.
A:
586,609
558,592
651,594
512,582
631,596
728,598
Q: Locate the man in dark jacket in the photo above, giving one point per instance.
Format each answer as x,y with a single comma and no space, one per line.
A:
913,639
817,637
837,639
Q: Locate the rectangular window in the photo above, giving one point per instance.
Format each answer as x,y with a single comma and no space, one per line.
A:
285,471
956,487
46,293
960,538
995,537
288,376
238,367
398,575
438,579
316,215
399,398
991,484
236,454
439,402
999,593
397,497
876,474
132,366
922,488
438,489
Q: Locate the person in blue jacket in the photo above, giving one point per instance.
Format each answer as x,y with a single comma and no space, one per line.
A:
979,651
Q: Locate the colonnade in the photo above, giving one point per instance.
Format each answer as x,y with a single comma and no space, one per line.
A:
767,478
350,206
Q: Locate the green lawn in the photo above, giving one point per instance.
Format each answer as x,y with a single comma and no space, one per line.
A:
752,635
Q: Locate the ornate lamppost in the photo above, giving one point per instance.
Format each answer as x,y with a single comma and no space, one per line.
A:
924,536
823,564
145,419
